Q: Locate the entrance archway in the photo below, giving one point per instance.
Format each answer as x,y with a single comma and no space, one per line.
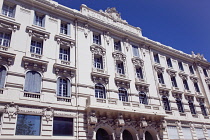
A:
127,135
148,136
101,134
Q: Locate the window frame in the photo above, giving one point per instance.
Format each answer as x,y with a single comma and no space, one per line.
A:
6,37
27,87
205,72
196,86
169,62
63,119
160,78
123,94
117,45
166,103
3,75
10,10
64,53
191,69
120,67
173,81
139,73
203,109
192,107
186,86
36,49
144,99
98,61
97,38
100,92
135,50
156,58
39,19
180,66
179,105
60,87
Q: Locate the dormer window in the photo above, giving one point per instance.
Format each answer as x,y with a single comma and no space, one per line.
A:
117,46
97,39
8,10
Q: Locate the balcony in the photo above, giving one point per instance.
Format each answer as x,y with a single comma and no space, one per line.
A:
117,105
30,96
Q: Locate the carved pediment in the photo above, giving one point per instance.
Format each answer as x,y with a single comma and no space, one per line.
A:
184,76
207,79
194,78
97,49
138,61
177,95
158,68
171,72
122,82
7,58
164,91
9,24
100,77
119,56
141,85
38,33
65,40
35,64
64,70
189,97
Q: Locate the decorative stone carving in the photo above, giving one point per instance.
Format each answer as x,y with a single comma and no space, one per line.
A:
143,123
7,58
137,62
194,79
122,82
142,86
200,100
120,121
35,64
177,95
183,76
171,72
158,69
126,43
192,126
11,109
198,56
65,41
189,98
37,33
64,70
178,125
100,78
92,119
9,25
119,56
163,124
98,50
107,37
86,30
207,81
48,113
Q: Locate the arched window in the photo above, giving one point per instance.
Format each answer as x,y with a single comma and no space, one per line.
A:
179,105
123,96
100,91
3,72
203,109
33,82
63,87
166,103
192,107
127,135
143,98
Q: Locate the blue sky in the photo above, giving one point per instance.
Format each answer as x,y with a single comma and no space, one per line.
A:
181,24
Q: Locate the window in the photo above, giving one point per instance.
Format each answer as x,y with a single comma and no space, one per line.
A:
191,69
185,85
120,68
123,95
196,87
36,47
192,107
135,51
156,58
208,130
173,81
172,132
28,125
8,10
117,46
97,39
63,87
33,82
139,73
169,63
160,78
64,54
62,126
3,73
205,73
100,91
39,19
199,133
166,103
179,105
143,98
181,66
187,133
98,62
65,28
203,109
5,39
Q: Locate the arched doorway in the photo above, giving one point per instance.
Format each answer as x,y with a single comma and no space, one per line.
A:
101,134
148,136
127,135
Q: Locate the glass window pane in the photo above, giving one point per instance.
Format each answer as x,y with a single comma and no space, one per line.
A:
28,125
62,126
172,132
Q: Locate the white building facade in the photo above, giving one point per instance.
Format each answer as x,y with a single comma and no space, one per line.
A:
68,74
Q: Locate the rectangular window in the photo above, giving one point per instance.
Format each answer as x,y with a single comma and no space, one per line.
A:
181,66
117,46
120,68
64,54
156,58
28,125
160,78
191,69
139,73
5,39
172,132
8,10
135,51
185,85
169,63
98,62
205,73
192,107
65,28
97,39
62,126
173,82
39,20
196,87
187,133
36,47
199,133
